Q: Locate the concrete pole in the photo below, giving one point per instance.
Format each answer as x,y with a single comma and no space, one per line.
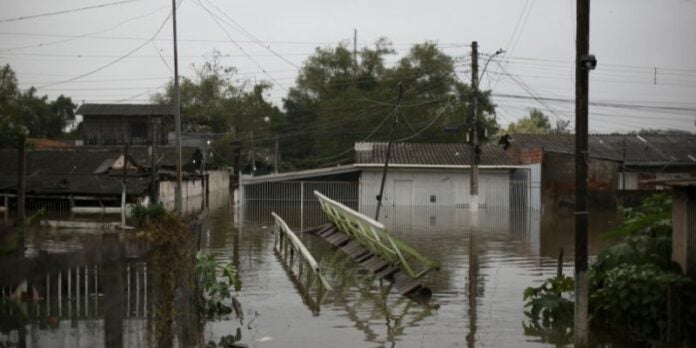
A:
581,215
177,118
474,184
21,180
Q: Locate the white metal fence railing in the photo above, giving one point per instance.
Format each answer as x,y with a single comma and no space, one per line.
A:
294,200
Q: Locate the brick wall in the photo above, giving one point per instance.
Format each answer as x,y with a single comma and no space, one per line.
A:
526,155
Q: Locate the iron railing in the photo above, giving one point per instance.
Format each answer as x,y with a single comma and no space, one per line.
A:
373,236
288,245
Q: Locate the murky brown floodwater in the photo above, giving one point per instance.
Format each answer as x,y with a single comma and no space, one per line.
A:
487,260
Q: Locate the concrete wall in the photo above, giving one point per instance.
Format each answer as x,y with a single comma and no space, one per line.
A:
192,191
447,187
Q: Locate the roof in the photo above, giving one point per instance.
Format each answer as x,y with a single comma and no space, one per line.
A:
125,110
43,143
435,154
639,149
301,174
66,171
83,170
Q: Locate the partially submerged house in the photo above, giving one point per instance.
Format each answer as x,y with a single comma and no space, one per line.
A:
116,124
433,174
616,162
89,179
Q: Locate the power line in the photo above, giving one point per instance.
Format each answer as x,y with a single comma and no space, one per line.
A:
115,60
6,20
216,18
252,36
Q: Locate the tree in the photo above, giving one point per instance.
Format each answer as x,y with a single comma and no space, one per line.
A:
337,101
535,123
216,101
30,113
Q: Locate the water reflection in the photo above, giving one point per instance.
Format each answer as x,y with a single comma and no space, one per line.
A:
487,259
99,290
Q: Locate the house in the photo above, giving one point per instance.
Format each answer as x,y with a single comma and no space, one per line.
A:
89,179
617,163
432,174
117,124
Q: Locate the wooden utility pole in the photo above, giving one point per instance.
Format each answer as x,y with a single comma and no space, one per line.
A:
474,191
276,158
355,47
124,186
21,179
154,189
582,68
395,120
177,118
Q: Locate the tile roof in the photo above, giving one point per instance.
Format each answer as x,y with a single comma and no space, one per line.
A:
125,110
43,143
639,149
82,170
428,154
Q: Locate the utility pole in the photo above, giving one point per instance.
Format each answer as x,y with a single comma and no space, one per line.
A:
474,191
276,158
123,185
153,164
21,179
177,118
355,47
395,120
583,63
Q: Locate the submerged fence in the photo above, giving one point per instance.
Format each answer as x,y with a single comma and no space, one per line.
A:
294,200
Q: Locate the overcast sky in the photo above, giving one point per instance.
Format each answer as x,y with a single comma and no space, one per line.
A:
646,77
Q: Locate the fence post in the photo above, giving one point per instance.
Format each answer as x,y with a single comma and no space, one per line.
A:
301,205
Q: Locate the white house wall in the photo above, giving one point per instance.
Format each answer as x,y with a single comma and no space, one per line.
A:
449,187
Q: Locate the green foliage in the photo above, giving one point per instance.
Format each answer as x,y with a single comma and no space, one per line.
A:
217,100
27,112
143,213
535,123
215,284
215,297
629,281
550,313
632,300
651,218
338,100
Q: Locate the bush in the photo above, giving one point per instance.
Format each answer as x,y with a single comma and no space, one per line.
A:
628,283
632,300
143,213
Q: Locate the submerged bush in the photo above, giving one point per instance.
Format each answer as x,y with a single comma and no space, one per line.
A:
628,283
550,310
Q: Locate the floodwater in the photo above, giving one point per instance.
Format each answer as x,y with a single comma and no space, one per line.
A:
87,283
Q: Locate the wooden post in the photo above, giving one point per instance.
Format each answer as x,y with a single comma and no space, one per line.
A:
674,316
123,185
559,266
154,182
21,180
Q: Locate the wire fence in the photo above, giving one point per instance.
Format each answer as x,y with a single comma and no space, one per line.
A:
293,200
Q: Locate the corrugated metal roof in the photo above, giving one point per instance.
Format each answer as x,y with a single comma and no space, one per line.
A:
456,154
125,110
639,149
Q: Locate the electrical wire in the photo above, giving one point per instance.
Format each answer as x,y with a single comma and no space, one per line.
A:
216,19
47,14
115,60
